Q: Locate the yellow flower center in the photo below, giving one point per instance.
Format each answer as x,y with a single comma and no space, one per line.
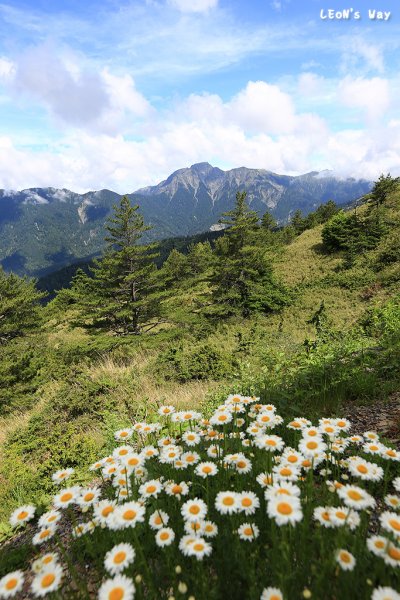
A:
198,547
247,502
248,531
22,515
379,544
116,594
123,452
43,534
373,448
129,515
11,583
207,470
284,508
48,579
292,458
395,524
312,445
390,452
119,557
88,497
285,471
362,469
151,489
222,418
228,501
190,458
194,510
107,510
306,463
340,514
241,464
271,442
164,536
177,489
325,516
345,557
133,461
354,495
123,434
47,560
394,553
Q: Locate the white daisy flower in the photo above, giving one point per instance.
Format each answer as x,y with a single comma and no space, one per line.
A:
199,548
243,465
393,501
285,509
118,558
286,472
45,561
210,529
194,510
158,519
166,410
176,489
66,497
264,479
341,515
148,452
47,581
165,536
396,483
373,448
62,475
120,587
151,488
214,451
323,515
126,515
132,461
377,544
282,487
391,556
345,559
343,424
248,532
123,434
271,443
206,469
365,470
88,497
248,502
191,438
122,451
227,503
190,458
194,527
271,593
103,511
11,584
43,535
22,515
385,593
355,497
390,521
390,454
221,418
50,517
312,446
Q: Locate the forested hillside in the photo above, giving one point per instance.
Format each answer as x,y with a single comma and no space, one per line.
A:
306,316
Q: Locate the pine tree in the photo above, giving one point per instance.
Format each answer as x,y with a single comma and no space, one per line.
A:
19,306
122,279
268,222
242,281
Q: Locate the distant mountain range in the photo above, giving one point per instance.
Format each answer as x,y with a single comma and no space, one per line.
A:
43,229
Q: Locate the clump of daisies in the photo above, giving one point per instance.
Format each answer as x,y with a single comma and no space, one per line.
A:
240,502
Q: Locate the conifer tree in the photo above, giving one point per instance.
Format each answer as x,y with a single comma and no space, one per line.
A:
242,280
19,306
123,279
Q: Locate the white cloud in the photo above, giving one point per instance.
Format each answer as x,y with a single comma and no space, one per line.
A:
258,127
6,68
262,107
361,55
370,95
193,6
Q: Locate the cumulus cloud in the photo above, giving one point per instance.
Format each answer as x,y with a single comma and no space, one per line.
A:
370,95
6,68
260,126
193,6
362,56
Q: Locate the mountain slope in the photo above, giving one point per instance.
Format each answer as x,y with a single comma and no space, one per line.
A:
42,229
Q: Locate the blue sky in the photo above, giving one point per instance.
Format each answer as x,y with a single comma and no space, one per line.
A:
119,94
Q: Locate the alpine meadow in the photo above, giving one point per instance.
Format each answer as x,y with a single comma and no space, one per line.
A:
220,422
199,300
